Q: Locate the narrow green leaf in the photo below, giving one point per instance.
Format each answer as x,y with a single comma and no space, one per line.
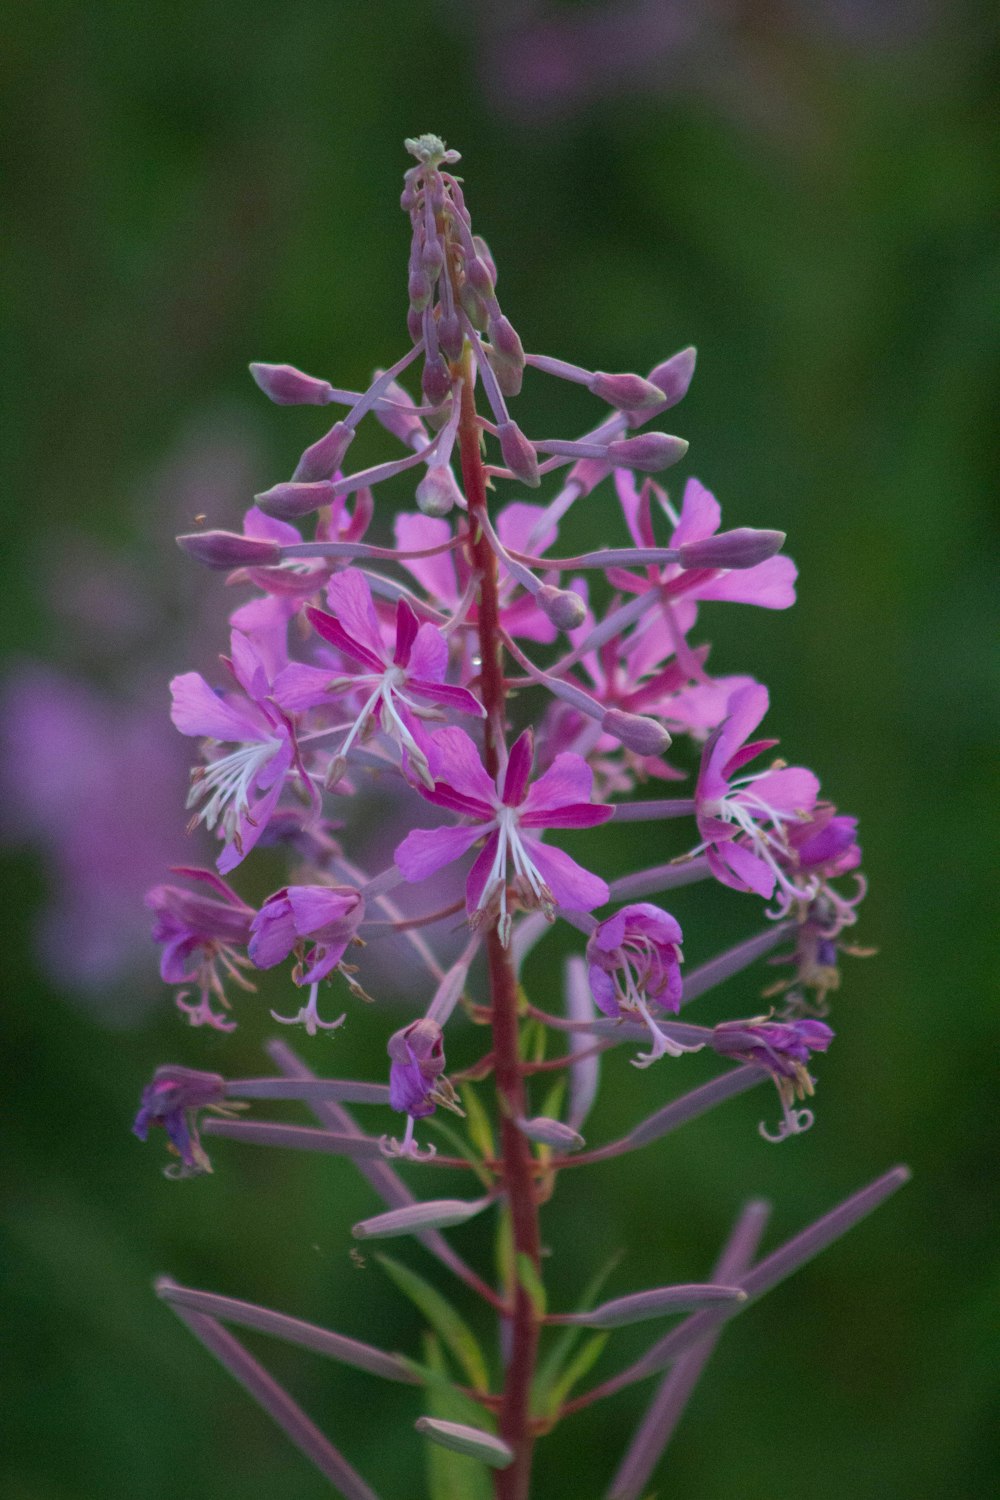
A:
586,1357
452,1476
552,1104
527,1275
561,1352
461,1147
455,1333
480,1129
504,1253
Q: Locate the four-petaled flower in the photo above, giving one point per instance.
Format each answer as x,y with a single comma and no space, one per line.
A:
174,1100
784,1049
634,961
508,813
201,934
398,687
745,823
239,789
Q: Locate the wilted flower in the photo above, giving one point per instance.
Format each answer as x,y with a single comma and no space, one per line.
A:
203,939
634,961
174,1100
784,1049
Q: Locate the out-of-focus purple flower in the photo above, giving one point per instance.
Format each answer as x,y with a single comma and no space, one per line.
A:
784,1048
508,812
417,1063
239,790
744,822
203,937
634,961
174,1100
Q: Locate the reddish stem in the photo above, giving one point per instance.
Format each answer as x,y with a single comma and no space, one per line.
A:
518,1168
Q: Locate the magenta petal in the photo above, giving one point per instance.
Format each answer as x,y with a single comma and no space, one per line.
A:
406,630
475,885
569,815
315,907
272,933
744,870
454,759
350,599
569,779
251,828
746,709
331,630
518,769
428,658
197,710
426,850
269,528
516,522
525,621
771,585
448,697
572,886
701,514
791,790
435,574
744,756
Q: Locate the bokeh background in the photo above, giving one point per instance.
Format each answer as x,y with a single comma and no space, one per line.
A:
803,191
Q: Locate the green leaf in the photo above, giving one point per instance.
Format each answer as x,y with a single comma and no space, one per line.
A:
552,1104
527,1275
455,1333
452,1476
504,1253
574,1371
461,1147
561,1353
480,1129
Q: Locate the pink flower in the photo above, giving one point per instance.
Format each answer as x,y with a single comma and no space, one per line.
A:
174,1100
325,916
784,1049
745,823
203,937
239,790
398,687
634,961
508,813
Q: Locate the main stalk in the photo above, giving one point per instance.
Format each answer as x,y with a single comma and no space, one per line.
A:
513,1482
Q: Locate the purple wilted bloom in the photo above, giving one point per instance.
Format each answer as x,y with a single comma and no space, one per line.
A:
759,808
328,917
505,812
634,961
417,1084
174,1100
784,1049
257,769
389,682
203,938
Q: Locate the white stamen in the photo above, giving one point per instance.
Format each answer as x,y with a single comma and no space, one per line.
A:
230,780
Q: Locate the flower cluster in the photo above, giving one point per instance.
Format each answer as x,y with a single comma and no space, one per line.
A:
526,697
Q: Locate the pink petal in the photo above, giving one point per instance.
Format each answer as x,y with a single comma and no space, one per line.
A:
569,779
429,654
518,769
426,850
791,790
447,696
475,885
350,599
269,528
454,759
569,815
435,574
572,887
525,621
264,622
331,630
248,666
197,710
628,499
315,907
406,630
300,687
770,584
736,866
701,515
746,709
516,522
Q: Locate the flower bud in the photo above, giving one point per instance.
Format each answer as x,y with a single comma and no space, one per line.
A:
286,386
565,609
432,259
450,335
415,324
649,452
437,492
518,454
626,392
403,424
436,381
743,548
472,1441
551,1133
636,732
473,305
287,501
478,276
507,355
324,457
229,549
674,376
485,255
660,1302
440,1213
419,289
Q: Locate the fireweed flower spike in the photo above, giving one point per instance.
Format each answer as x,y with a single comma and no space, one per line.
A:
365,682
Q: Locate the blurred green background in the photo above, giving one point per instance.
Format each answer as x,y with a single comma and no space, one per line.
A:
801,191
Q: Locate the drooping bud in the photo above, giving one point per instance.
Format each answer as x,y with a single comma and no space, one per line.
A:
636,732
518,454
287,386
438,493
649,452
287,501
229,549
324,456
744,547
551,1133
565,609
440,1213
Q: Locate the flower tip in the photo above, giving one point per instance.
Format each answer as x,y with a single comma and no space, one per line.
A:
287,386
472,1441
636,732
744,547
648,451
288,501
565,609
227,549
518,454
